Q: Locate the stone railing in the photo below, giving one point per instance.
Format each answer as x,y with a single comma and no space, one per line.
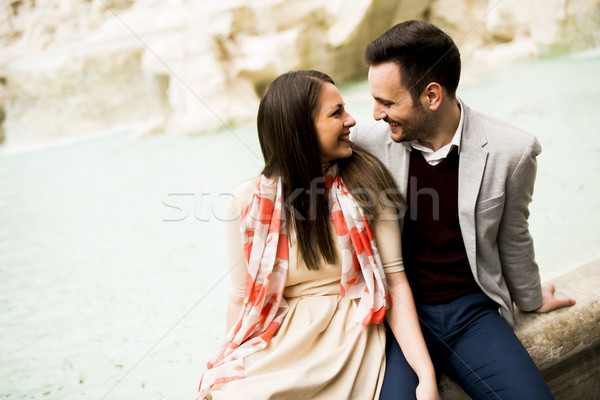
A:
565,344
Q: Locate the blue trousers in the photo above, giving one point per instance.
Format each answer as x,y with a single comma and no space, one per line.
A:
468,340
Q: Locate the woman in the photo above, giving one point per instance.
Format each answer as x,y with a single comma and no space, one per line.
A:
309,284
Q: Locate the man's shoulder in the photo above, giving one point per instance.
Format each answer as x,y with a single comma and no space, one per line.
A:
370,132
496,126
372,136
501,136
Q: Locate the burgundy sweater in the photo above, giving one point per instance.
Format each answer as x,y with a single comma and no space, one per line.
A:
432,246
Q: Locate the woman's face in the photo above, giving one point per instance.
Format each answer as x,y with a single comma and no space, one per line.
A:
333,123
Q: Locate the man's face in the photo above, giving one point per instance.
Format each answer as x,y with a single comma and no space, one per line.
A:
394,105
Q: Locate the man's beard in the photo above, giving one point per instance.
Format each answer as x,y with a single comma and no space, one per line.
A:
420,126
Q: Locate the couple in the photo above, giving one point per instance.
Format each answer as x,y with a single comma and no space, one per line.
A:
321,305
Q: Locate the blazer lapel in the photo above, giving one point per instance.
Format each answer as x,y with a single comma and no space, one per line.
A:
471,166
398,162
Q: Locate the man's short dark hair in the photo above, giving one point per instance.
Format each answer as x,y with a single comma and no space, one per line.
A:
422,51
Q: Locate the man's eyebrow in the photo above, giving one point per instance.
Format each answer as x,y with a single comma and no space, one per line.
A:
382,100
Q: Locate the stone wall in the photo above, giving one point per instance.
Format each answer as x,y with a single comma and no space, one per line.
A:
565,344
69,68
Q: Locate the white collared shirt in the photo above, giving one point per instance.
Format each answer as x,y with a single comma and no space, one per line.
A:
436,157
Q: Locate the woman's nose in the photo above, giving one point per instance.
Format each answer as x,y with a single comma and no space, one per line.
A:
350,122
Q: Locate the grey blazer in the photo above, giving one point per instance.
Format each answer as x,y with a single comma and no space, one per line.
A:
497,170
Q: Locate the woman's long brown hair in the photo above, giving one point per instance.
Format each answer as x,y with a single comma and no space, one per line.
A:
288,141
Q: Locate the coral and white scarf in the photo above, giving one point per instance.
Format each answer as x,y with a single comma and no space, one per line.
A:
265,245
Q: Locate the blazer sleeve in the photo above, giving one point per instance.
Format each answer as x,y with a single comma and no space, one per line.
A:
515,244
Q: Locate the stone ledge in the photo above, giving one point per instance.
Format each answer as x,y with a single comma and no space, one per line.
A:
564,344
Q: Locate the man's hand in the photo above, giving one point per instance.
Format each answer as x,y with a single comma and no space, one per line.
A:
550,303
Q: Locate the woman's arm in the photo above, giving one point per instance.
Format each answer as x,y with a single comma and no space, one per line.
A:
236,262
233,310
402,318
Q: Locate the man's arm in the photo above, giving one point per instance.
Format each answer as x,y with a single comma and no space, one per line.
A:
515,243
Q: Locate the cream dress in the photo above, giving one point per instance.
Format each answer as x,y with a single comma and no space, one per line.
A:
319,351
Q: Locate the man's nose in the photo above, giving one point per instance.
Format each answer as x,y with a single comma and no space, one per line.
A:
378,111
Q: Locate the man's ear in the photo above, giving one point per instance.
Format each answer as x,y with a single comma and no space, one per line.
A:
432,96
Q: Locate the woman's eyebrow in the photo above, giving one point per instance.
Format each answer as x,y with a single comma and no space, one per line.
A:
336,107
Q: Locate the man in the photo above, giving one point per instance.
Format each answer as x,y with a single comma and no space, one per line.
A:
468,180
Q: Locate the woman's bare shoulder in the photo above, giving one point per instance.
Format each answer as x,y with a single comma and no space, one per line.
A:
240,196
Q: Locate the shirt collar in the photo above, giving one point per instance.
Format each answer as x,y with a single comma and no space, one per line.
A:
445,150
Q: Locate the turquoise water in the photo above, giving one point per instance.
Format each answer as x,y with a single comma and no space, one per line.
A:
112,263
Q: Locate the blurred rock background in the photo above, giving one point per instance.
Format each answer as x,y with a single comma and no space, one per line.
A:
75,68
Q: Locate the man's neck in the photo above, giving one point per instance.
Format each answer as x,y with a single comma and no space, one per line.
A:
449,118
